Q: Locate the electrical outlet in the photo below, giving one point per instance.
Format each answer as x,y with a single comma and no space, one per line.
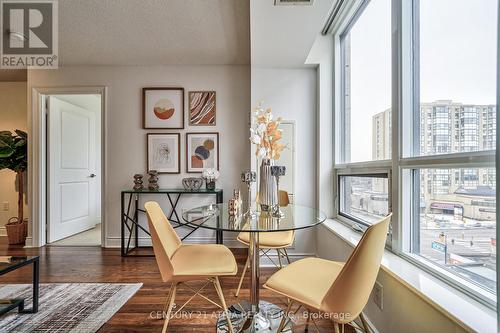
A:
4,206
378,295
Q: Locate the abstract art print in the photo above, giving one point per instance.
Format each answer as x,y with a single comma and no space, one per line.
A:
202,108
163,108
202,151
164,152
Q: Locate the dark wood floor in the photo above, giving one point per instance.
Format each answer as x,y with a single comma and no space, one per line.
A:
93,264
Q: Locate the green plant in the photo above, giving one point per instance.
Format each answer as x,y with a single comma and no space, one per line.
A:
14,156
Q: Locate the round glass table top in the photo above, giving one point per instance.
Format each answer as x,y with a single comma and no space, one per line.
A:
216,216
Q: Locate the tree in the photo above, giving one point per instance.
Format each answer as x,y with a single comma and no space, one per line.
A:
14,156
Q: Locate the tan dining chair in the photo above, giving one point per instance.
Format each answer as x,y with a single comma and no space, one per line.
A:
180,263
277,240
338,289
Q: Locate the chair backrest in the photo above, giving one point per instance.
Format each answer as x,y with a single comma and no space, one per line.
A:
350,291
283,198
165,240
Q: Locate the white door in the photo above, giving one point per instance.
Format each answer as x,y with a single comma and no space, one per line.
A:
73,182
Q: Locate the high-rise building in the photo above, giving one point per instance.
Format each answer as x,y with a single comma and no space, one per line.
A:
381,143
448,127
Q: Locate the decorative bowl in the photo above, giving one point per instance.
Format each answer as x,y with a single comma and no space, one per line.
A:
192,183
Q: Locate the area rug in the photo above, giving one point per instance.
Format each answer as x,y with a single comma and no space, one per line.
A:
66,307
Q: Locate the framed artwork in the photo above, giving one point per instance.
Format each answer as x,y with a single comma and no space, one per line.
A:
202,108
164,152
202,151
163,108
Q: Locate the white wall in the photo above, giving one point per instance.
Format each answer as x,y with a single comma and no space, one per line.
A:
126,140
291,93
12,116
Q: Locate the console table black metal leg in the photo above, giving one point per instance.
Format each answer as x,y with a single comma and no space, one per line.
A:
136,219
218,234
122,204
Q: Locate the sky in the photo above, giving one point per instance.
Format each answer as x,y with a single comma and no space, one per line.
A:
457,60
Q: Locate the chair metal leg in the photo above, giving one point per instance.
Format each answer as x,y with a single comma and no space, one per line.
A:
167,301
223,303
170,305
286,254
364,322
336,326
242,276
285,317
279,258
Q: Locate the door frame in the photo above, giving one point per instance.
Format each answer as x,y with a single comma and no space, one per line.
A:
37,159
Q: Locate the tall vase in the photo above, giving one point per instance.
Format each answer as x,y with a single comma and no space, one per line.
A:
268,191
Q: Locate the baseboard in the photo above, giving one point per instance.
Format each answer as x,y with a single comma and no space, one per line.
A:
115,242
28,242
294,256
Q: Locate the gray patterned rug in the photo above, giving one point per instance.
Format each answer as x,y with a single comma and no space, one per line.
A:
66,307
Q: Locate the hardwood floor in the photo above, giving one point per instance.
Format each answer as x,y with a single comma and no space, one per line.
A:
93,264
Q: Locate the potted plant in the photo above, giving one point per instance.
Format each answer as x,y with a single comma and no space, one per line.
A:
14,156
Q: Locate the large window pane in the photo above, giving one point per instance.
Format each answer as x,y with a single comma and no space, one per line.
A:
457,74
367,85
457,221
364,198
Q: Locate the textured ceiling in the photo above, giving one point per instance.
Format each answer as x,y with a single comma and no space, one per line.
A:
154,32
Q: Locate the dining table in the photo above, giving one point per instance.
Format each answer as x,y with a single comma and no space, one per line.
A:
254,315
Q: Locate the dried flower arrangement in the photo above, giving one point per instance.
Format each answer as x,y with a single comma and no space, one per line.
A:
265,134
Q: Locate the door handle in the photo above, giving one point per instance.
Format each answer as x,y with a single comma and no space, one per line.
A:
92,175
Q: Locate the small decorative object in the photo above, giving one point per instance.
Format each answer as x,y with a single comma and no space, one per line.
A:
153,180
249,177
192,183
202,151
277,172
231,207
164,152
265,135
235,204
163,108
210,176
239,202
14,156
138,182
202,108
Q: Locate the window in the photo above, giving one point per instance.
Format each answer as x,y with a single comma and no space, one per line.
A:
367,85
453,212
456,222
364,198
443,108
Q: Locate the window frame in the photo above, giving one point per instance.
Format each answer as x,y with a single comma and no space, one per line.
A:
356,222
405,146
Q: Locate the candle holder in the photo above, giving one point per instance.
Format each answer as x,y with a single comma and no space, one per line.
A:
277,171
249,177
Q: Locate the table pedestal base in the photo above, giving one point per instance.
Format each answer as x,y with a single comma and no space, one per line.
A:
267,320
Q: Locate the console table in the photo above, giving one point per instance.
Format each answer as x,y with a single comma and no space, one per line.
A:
130,214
